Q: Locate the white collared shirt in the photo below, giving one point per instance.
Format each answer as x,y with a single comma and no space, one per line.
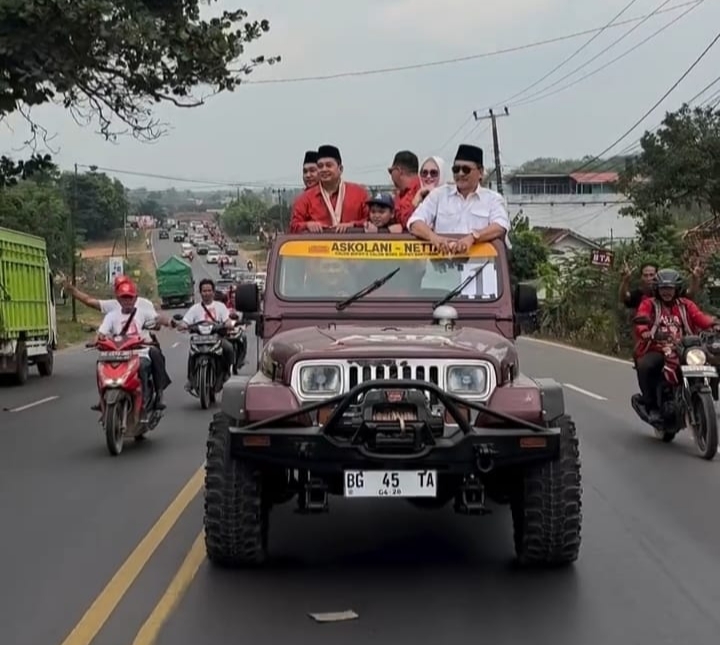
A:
446,211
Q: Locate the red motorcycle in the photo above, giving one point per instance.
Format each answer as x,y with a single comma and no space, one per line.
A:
120,386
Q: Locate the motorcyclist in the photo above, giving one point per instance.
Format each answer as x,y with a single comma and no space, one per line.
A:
239,341
160,375
667,311
250,265
115,323
208,310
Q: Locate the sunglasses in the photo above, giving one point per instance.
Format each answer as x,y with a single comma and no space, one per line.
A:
465,170
430,173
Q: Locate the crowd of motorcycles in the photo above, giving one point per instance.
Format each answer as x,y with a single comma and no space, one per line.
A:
129,399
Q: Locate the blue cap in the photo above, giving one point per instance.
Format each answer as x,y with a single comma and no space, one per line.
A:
382,199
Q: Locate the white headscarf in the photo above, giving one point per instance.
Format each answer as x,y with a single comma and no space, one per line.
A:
440,162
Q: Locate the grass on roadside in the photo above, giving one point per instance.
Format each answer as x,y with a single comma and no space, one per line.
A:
72,333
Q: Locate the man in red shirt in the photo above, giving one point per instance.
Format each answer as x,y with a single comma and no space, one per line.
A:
404,174
310,169
333,202
666,311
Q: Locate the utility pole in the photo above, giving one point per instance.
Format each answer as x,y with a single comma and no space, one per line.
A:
496,145
73,243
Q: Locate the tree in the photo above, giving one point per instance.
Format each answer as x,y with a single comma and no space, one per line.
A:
39,209
112,60
679,165
529,252
245,215
552,165
101,203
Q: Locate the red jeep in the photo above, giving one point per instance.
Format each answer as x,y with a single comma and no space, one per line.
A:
388,370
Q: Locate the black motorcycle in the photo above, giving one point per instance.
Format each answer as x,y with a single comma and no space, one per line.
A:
237,337
685,394
208,373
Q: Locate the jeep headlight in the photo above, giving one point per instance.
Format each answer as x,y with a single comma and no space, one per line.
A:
320,380
467,380
695,356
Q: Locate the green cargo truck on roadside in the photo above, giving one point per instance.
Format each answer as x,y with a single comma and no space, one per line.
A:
28,325
175,283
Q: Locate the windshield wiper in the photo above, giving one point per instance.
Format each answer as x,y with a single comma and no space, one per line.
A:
373,286
457,290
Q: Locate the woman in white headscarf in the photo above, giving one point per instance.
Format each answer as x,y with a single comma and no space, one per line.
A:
432,174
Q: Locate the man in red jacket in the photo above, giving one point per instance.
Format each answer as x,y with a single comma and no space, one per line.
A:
333,203
668,312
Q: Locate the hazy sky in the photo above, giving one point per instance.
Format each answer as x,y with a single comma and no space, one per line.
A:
259,132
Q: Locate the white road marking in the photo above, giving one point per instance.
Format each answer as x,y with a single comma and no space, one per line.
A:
578,350
592,395
34,404
175,344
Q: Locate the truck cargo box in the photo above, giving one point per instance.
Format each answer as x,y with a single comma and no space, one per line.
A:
175,282
27,305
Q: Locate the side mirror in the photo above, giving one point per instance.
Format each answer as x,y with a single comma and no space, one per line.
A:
178,317
247,298
641,320
526,300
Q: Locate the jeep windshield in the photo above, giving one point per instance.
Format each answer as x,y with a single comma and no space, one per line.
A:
316,269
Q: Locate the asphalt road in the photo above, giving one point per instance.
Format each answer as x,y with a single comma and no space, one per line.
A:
649,570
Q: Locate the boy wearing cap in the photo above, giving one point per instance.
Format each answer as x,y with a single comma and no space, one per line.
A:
333,202
464,207
381,215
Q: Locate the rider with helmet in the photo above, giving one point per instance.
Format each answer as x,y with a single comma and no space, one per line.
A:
668,311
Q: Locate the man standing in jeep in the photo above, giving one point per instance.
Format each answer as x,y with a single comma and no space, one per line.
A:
310,169
333,202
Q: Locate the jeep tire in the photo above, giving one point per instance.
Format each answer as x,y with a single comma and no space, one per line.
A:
237,511
546,508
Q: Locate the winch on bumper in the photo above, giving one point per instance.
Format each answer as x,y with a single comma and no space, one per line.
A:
390,424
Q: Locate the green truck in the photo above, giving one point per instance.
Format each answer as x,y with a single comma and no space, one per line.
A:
175,283
28,324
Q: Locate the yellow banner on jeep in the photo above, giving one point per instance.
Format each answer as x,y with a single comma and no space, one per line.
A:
375,250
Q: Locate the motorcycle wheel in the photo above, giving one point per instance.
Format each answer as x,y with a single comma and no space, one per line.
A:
204,387
705,430
115,422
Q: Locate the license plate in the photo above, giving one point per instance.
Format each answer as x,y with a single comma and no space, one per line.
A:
115,356
203,340
698,370
390,483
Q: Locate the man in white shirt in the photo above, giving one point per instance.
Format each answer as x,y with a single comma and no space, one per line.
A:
129,320
212,311
160,375
463,208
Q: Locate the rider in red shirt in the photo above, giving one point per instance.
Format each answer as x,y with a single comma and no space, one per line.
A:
669,312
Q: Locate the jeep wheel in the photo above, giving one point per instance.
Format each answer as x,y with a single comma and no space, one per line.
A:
546,510
237,512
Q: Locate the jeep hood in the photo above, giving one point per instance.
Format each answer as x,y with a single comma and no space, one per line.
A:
350,342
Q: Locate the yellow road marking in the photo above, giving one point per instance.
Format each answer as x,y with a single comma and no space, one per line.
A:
151,628
103,606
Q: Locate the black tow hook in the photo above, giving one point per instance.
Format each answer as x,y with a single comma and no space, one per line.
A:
485,458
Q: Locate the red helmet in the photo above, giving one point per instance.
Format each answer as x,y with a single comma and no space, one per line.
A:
126,288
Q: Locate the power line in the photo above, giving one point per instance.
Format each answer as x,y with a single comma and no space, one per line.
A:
635,146
529,99
564,62
460,59
613,44
672,88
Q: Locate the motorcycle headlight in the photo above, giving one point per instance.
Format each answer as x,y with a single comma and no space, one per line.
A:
320,380
695,356
467,380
